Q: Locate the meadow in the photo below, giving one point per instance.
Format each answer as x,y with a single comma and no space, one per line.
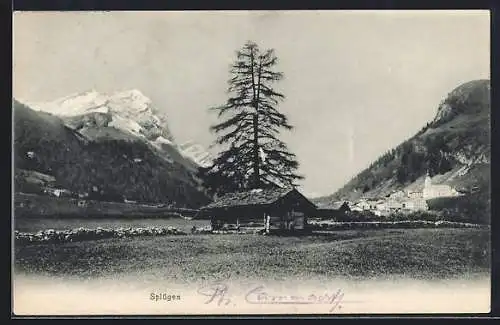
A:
349,254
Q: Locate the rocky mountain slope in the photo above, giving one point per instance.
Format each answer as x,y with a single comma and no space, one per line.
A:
197,153
86,155
125,115
454,147
129,111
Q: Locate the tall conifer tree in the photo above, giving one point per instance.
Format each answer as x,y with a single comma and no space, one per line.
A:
254,156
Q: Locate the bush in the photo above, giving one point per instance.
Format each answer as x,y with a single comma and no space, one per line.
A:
417,215
403,224
80,234
360,216
468,212
468,208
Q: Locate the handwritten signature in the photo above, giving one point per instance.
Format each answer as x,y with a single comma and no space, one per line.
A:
218,294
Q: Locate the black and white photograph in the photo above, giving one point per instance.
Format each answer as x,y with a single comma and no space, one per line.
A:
281,162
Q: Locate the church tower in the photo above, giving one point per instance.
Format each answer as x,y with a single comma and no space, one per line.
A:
426,193
427,182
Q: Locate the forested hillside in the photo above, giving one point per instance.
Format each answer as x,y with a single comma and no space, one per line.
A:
111,169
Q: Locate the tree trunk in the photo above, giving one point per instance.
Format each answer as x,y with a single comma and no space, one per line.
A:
256,165
256,158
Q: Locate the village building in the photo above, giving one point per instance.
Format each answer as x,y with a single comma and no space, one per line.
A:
82,204
431,191
398,195
373,204
406,200
83,195
361,205
381,205
416,200
57,192
414,194
341,206
406,204
394,205
338,210
415,205
276,210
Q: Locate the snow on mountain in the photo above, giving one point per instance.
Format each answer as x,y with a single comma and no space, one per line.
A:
76,104
197,153
134,100
161,139
158,142
130,111
129,125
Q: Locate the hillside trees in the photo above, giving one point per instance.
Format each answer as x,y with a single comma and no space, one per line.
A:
106,170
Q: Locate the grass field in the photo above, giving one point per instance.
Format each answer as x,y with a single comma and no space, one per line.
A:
350,254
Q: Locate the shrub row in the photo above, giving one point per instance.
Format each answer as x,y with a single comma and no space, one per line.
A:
334,225
80,234
204,230
228,231
438,215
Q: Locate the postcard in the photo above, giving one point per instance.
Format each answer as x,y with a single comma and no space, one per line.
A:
251,162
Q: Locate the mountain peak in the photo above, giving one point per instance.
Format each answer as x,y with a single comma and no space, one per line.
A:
86,93
134,94
131,92
470,98
128,110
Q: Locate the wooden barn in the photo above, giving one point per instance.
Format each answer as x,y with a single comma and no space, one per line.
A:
337,211
275,210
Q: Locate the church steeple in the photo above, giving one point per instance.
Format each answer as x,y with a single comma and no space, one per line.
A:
428,181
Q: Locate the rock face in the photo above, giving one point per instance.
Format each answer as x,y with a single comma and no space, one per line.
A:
197,153
89,120
129,111
444,111
455,147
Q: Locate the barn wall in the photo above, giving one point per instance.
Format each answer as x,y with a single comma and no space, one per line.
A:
251,216
288,213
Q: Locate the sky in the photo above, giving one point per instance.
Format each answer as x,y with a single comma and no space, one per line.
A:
357,83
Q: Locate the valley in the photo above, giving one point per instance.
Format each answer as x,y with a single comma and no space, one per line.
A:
118,148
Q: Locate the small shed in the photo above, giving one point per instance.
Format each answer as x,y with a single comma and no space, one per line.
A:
275,210
341,206
338,211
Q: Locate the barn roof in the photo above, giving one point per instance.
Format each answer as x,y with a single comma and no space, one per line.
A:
337,205
249,198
